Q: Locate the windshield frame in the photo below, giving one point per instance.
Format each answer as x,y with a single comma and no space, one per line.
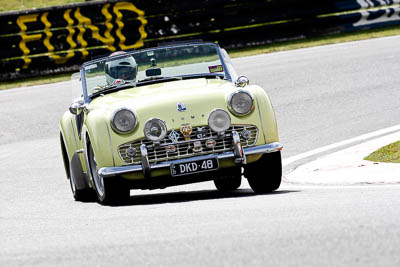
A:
88,98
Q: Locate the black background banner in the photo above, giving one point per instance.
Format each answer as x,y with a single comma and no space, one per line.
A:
54,40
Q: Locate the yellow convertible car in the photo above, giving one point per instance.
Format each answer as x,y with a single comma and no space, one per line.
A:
170,115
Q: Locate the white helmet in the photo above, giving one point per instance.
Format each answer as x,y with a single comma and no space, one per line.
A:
120,69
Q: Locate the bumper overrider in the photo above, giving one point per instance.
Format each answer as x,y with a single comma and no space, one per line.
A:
238,154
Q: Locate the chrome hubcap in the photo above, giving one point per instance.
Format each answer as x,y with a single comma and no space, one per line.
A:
98,180
72,181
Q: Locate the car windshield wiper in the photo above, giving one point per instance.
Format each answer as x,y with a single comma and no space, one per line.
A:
204,75
160,79
183,77
101,90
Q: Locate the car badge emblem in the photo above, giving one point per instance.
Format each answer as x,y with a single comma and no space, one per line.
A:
181,107
197,146
210,143
201,132
171,148
186,130
173,136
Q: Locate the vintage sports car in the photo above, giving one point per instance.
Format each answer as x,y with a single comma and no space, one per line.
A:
165,116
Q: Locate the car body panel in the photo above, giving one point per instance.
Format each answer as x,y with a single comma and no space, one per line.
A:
69,134
160,101
267,115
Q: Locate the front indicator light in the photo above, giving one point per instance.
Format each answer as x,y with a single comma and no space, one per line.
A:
131,152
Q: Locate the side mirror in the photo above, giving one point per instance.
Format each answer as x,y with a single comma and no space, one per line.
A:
77,107
242,81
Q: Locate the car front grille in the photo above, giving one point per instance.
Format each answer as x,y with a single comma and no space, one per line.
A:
187,148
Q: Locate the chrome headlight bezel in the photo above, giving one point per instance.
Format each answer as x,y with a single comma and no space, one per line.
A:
228,120
163,128
114,126
235,111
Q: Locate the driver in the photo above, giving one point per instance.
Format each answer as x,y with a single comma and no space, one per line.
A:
120,69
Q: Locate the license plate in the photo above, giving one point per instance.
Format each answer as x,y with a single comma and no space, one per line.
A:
194,166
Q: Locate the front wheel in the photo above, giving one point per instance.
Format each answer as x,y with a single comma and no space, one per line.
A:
230,181
85,194
265,175
109,191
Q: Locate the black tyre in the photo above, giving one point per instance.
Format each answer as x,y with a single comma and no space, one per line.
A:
84,195
230,180
265,175
109,191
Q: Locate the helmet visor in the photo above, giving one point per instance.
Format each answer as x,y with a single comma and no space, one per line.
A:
123,72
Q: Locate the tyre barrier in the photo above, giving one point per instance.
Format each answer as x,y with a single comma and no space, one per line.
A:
58,39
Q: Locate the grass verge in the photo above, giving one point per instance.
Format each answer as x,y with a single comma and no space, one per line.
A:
248,51
11,5
35,81
389,153
317,41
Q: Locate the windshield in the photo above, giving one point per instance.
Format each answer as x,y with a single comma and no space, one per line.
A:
153,65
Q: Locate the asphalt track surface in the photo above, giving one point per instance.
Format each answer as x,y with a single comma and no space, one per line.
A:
321,96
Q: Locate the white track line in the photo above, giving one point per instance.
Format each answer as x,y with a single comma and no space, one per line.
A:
290,160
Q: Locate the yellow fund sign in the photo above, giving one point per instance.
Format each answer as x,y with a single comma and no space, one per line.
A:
77,25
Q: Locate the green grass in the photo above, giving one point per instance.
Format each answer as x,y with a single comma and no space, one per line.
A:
389,153
12,5
317,41
35,81
274,47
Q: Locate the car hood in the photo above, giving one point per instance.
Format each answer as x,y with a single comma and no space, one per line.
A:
198,96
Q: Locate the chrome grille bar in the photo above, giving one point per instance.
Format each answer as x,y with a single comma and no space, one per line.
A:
158,152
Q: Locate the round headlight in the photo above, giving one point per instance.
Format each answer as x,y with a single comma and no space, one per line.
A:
155,130
219,120
241,103
123,120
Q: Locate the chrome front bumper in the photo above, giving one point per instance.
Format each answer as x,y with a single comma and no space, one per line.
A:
238,154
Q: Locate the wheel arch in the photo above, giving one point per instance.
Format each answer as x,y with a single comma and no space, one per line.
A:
267,115
70,151
96,132
65,157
